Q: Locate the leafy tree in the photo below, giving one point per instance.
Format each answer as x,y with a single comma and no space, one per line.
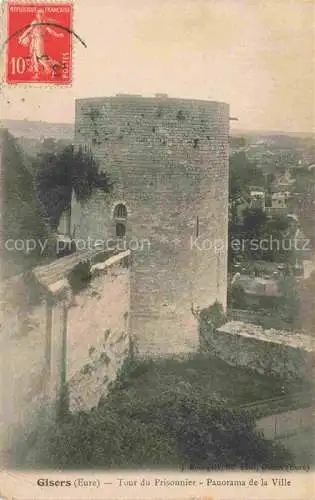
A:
23,218
210,319
254,222
250,231
236,296
280,230
243,176
61,173
289,307
264,238
50,145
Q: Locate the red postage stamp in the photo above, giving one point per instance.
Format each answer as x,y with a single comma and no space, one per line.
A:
39,43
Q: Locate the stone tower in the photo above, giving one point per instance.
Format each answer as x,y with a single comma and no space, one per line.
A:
168,159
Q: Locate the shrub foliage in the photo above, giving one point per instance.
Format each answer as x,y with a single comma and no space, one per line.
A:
175,428
80,276
210,319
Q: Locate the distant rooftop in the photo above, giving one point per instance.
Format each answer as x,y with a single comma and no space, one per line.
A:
257,193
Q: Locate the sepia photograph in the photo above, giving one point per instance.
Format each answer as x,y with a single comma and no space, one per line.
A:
157,227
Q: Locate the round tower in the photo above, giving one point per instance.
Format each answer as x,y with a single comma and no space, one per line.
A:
168,159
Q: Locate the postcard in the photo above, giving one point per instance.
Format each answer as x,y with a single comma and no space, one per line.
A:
157,249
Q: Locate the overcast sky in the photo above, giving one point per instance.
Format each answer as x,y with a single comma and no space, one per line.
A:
254,54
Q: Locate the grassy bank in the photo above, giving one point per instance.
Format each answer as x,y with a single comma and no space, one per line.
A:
168,414
210,377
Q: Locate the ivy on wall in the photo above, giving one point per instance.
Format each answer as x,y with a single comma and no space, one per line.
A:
80,276
210,318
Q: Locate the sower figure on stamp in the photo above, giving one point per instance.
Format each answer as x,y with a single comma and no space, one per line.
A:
34,35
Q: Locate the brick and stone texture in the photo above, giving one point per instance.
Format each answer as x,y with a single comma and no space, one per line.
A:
168,159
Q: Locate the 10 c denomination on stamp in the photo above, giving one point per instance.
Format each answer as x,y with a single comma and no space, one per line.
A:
39,43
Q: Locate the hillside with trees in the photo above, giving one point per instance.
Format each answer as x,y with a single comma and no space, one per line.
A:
22,215
36,191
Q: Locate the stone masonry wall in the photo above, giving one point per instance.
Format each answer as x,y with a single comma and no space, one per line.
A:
270,352
168,159
98,336
25,362
50,335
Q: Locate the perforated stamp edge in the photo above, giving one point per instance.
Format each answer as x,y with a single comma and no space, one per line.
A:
3,47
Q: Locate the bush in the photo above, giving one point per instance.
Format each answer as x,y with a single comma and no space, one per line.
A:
175,429
131,370
210,319
236,296
289,309
80,276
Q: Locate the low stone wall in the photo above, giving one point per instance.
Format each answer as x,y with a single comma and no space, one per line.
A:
270,352
287,423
